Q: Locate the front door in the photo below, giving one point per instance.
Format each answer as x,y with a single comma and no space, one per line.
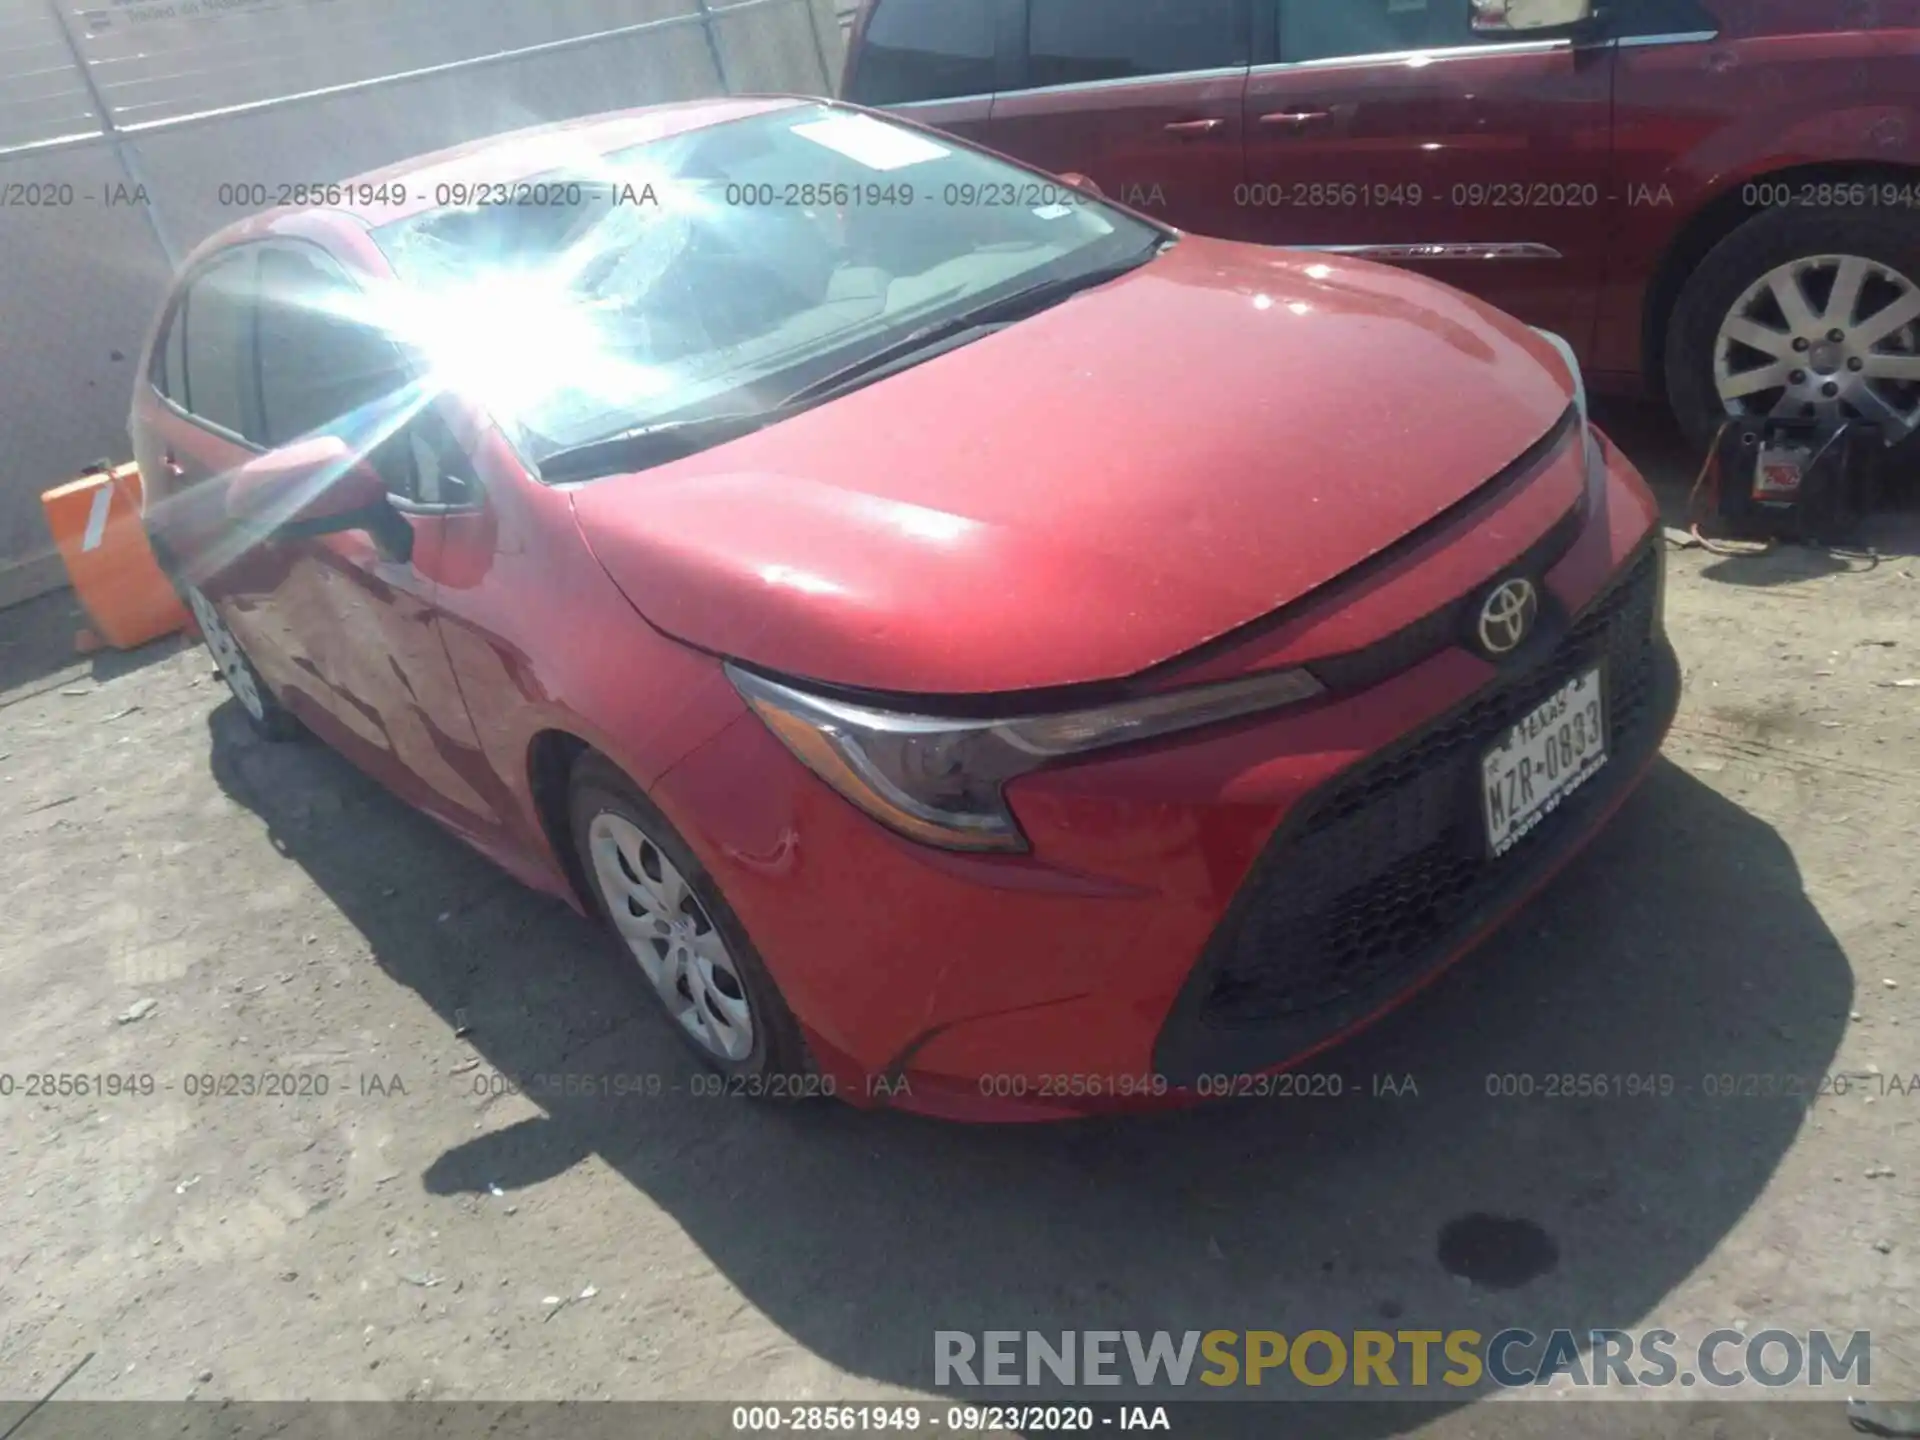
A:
1142,96
1389,128
395,707
936,61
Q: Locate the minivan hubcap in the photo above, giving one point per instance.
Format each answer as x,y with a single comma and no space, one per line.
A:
226,653
1827,337
672,936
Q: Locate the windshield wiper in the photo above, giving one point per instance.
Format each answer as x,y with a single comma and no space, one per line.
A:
648,445
656,444
994,315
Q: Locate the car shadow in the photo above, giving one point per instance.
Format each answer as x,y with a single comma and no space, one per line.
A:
37,644
1678,949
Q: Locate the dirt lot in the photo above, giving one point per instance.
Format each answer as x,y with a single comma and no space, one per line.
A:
1753,912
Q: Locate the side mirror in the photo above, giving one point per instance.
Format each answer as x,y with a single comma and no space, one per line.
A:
307,483
1085,184
316,486
1506,17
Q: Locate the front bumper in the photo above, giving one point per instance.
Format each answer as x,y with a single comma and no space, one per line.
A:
1378,880
1219,904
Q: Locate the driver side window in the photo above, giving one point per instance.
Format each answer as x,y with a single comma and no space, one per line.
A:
326,369
1338,29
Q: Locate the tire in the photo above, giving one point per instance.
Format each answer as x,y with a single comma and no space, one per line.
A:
706,975
269,718
1728,284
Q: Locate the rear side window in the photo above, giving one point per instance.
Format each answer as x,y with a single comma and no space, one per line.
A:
925,50
216,352
1070,42
1336,29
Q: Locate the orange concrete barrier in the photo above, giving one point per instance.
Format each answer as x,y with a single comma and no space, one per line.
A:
95,521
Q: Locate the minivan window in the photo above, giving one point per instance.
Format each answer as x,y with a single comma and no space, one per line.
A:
1336,29
925,50
217,350
1071,42
1659,17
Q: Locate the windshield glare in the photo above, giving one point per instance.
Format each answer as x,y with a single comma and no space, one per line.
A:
719,270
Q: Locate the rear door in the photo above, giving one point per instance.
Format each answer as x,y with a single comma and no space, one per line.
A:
1143,96
936,61
1378,125
201,423
1675,86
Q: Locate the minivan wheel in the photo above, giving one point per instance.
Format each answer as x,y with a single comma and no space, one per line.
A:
269,718
1803,314
683,937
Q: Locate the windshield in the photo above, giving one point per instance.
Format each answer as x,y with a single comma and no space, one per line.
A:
721,270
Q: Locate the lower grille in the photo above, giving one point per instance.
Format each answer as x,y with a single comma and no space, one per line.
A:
1387,870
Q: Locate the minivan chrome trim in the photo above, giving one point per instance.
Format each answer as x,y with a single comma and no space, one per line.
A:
1678,37
1441,250
943,100
1277,67
1178,77
1394,57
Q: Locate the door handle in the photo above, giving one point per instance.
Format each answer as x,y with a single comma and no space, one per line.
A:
1194,127
173,466
1294,117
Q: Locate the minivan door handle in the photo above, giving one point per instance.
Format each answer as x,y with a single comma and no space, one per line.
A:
174,467
1194,127
1294,117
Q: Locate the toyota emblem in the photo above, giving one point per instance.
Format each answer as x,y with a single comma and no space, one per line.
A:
1507,616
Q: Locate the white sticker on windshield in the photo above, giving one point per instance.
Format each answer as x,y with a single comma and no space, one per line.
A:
1054,212
876,145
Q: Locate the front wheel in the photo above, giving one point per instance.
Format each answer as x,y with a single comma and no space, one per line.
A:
682,936
269,718
1803,315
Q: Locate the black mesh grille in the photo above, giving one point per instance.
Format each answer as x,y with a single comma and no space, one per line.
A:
1391,862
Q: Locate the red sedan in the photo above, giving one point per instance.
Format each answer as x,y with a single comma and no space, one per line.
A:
980,649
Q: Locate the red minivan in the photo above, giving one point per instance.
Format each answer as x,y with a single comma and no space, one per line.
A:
1714,200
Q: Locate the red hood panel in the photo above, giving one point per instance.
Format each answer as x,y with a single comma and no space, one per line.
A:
1094,490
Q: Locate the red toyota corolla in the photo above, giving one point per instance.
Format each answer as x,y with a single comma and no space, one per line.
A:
981,650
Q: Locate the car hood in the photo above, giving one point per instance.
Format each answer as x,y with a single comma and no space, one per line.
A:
1091,491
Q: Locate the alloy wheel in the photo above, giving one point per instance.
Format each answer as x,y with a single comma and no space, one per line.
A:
227,653
672,936
1825,337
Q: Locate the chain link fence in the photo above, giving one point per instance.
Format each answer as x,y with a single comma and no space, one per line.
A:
130,128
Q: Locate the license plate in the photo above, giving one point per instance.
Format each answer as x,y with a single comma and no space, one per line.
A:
1544,758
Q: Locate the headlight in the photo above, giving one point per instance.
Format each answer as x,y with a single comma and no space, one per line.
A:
1565,350
1589,437
940,781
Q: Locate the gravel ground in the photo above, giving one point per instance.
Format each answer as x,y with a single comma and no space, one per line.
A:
185,901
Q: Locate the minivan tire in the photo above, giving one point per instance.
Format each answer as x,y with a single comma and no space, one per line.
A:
1760,245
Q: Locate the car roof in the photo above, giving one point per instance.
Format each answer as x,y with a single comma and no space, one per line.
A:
511,156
